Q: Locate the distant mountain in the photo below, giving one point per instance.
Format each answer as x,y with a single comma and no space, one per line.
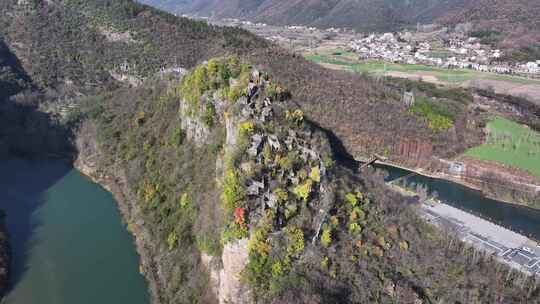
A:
364,14
509,24
376,15
498,13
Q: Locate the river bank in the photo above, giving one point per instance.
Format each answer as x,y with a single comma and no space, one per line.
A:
118,187
509,247
460,180
67,241
158,263
516,217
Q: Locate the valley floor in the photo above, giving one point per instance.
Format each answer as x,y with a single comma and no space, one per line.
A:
500,84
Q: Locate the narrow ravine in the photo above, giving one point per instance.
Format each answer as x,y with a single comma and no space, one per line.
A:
68,242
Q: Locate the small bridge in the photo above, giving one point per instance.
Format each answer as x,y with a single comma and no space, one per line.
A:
371,161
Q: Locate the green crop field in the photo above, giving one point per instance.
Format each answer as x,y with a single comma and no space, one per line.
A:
511,144
348,61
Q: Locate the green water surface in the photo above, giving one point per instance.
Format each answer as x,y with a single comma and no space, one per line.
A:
69,245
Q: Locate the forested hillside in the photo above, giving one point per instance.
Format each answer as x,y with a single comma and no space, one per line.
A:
23,129
366,15
188,156
508,24
65,43
81,47
54,52
212,165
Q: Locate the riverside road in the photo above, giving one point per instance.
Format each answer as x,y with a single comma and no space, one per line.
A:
511,248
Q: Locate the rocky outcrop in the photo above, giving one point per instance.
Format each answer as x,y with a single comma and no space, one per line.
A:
193,126
225,273
155,262
235,257
284,158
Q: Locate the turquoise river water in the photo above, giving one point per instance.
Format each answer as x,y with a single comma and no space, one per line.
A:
68,243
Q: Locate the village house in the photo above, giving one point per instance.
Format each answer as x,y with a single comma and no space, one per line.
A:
532,67
466,53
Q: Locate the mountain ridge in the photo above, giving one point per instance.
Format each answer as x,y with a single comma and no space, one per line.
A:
191,151
366,15
515,24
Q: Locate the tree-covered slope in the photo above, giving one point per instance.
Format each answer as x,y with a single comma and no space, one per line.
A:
366,15
510,24
64,43
23,129
54,52
225,157
71,48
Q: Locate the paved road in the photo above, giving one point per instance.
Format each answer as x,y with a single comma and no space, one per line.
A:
512,248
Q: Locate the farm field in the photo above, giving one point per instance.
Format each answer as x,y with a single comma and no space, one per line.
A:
511,144
501,84
349,61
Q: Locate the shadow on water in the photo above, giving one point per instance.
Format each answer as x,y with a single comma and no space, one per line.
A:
26,132
22,187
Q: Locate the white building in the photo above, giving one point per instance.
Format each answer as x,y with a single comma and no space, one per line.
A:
456,168
532,67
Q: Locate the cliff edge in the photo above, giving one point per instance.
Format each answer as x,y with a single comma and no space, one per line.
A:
229,188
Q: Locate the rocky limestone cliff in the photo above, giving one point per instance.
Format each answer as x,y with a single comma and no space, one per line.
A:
259,212
224,270
252,129
225,273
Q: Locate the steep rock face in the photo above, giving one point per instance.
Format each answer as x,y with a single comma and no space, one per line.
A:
260,212
195,130
411,152
235,259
